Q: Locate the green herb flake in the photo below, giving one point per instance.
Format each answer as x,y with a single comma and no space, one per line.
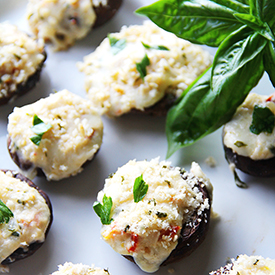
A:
263,120
140,189
15,234
104,210
39,128
5,213
161,214
17,56
158,47
239,144
257,260
117,45
141,66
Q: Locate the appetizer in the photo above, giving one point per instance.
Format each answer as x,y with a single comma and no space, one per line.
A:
246,265
26,217
249,137
142,68
21,61
154,214
61,22
57,135
79,269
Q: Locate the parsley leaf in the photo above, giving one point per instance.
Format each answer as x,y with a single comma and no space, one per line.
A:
117,45
5,213
263,120
140,189
40,128
104,210
141,66
159,47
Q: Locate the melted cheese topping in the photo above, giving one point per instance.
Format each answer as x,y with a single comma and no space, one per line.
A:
79,269
20,57
249,265
149,230
113,82
75,136
257,147
31,215
61,22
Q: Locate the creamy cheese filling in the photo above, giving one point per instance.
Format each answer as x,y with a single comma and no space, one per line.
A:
240,139
113,82
31,215
61,22
20,57
149,229
79,269
250,265
75,136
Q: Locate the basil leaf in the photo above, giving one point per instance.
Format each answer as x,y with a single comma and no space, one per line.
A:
268,7
214,97
140,189
238,62
263,120
160,47
141,66
255,24
5,213
199,21
39,128
269,61
117,45
104,210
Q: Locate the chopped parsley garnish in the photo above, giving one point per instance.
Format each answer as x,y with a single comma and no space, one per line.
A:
39,128
140,189
104,210
117,45
240,144
158,47
5,213
141,66
263,120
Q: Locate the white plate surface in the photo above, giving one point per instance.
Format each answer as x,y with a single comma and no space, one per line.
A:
246,217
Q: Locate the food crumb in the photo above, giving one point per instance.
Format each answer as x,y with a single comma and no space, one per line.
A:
171,270
4,269
211,161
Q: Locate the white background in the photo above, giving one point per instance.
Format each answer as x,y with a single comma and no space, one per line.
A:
246,217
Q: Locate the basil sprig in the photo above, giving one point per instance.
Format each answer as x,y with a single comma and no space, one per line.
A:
243,31
39,128
5,213
140,189
104,210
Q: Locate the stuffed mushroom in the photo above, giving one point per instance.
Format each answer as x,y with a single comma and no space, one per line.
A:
249,138
21,61
141,69
246,265
79,269
62,22
26,217
57,135
154,214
